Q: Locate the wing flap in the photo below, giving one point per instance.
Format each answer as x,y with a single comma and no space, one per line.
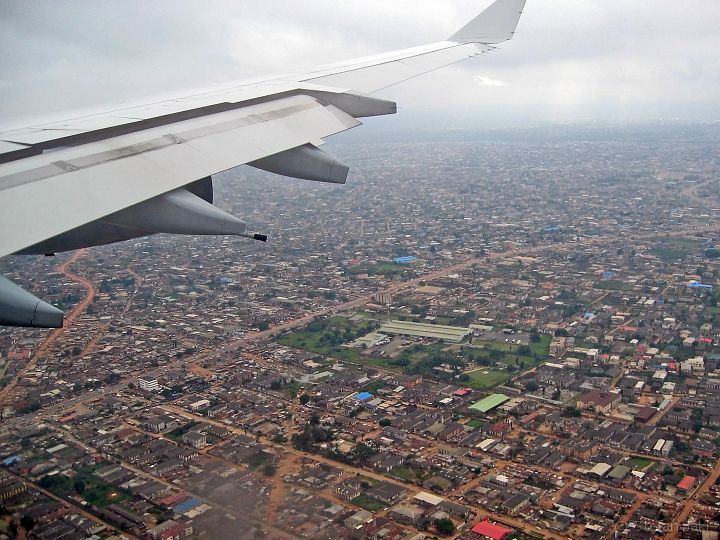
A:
98,179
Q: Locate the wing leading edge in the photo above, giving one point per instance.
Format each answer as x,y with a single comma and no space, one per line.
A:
101,176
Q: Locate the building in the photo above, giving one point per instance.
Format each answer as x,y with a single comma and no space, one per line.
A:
170,530
489,403
686,483
405,260
598,401
149,385
408,514
486,529
451,334
645,414
10,487
195,439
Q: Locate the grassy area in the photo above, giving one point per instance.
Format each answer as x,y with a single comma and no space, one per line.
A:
523,356
542,347
487,378
309,341
257,460
613,285
639,463
327,337
677,248
374,386
476,423
91,488
381,269
371,504
407,473
101,494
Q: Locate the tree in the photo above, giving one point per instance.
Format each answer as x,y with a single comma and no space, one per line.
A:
384,422
363,452
27,523
532,386
314,420
445,526
269,469
304,399
571,412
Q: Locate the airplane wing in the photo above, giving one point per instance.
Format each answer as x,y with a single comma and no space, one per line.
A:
146,169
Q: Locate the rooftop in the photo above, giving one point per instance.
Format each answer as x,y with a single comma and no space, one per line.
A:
489,403
452,334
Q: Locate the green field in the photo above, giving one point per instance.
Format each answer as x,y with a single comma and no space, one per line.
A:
326,337
381,269
487,378
370,504
476,423
677,248
86,485
102,494
639,463
613,285
407,473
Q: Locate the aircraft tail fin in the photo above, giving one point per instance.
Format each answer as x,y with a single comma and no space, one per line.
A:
494,25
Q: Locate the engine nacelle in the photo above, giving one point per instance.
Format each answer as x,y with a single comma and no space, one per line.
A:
187,210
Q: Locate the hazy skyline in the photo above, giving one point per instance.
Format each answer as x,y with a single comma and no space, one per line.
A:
571,60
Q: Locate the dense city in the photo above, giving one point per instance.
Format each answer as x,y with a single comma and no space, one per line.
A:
511,335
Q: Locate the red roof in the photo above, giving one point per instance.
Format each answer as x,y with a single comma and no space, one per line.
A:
532,416
491,530
463,391
686,483
672,366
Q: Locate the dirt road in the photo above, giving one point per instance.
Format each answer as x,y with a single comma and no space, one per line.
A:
54,335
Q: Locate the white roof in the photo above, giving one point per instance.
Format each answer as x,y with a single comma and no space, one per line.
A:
428,498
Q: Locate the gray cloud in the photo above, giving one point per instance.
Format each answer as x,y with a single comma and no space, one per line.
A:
571,59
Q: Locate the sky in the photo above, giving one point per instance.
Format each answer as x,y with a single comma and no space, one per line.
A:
607,61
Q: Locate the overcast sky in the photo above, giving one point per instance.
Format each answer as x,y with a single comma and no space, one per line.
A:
571,60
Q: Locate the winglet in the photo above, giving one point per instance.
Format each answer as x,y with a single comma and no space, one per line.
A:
494,25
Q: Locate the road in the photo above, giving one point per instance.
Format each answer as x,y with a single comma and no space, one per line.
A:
54,335
289,450
75,507
690,503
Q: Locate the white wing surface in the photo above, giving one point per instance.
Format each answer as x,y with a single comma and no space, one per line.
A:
133,171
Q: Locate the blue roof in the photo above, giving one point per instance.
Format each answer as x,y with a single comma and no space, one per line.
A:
696,285
363,396
406,259
187,504
11,460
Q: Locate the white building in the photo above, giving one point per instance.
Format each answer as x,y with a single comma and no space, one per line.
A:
149,385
